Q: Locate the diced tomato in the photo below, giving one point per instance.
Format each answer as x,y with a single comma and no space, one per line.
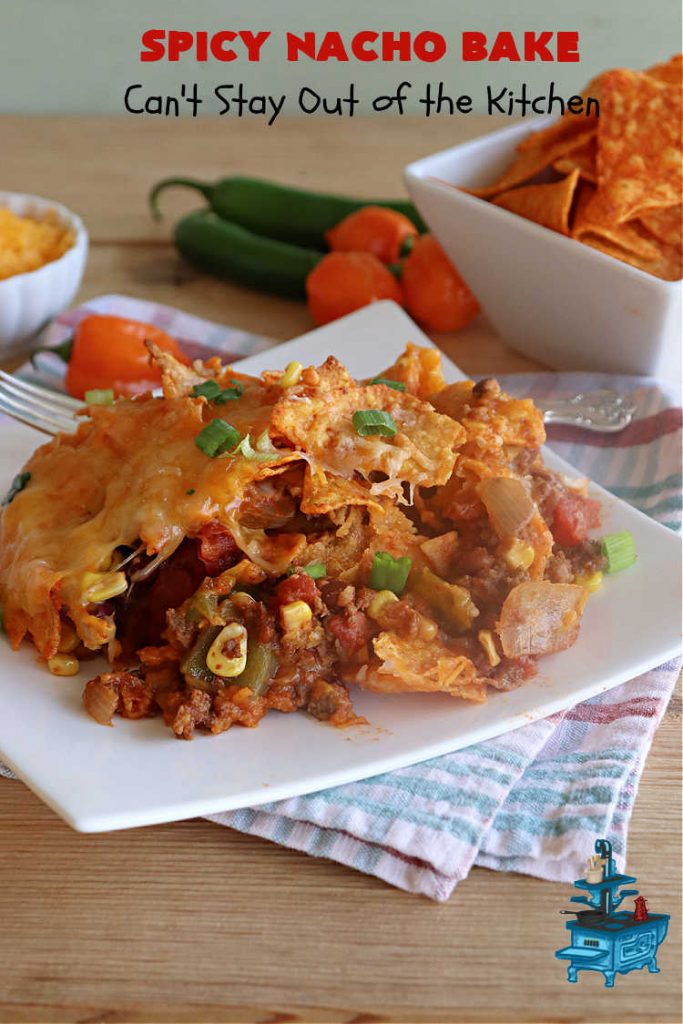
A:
574,516
217,548
351,631
298,587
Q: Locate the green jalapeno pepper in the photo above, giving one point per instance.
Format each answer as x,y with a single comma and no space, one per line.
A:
232,252
278,211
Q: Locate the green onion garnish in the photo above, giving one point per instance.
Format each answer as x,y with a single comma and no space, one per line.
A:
207,389
389,573
99,396
211,390
316,570
216,438
369,422
191,491
264,444
230,394
619,550
252,454
397,385
18,484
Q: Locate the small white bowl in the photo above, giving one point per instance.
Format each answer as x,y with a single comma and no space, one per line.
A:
28,301
547,295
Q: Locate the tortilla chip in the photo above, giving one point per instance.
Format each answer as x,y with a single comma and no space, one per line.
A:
671,71
493,418
422,452
418,666
533,159
665,223
582,159
324,493
667,265
592,218
639,144
419,369
568,128
548,205
177,379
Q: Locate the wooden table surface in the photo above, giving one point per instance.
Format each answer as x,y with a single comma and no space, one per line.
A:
193,922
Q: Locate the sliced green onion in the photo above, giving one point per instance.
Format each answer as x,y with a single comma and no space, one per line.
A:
397,385
264,444
389,573
619,550
207,389
230,394
191,491
216,438
211,390
17,485
369,422
245,449
99,396
316,570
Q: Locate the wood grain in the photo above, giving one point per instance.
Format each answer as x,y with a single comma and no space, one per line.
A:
193,922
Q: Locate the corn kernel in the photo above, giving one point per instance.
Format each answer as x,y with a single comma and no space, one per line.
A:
485,637
591,582
427,628
380,601
63,665
291,375
101,586
295,615
227,667
69,640
519,555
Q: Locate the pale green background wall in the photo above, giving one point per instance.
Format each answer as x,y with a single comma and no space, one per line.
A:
77,56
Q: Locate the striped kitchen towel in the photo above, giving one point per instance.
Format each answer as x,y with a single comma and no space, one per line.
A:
535,799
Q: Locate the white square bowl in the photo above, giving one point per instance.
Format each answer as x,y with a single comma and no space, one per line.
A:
547,295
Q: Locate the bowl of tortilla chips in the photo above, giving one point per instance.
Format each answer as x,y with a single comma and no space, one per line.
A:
568,229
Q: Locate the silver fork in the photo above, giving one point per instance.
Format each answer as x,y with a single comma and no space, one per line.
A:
603,411
48,411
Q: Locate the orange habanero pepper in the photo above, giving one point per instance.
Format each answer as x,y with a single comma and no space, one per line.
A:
435,294
345,281
109,352
385,233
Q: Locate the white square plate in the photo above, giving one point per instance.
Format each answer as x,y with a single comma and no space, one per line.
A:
137,773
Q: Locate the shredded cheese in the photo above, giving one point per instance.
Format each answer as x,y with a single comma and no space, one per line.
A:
27,244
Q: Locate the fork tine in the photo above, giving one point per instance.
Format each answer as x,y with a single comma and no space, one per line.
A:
23,417
50,398
34,415
41,403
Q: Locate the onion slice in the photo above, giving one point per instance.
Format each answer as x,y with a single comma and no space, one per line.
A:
508,505
540,617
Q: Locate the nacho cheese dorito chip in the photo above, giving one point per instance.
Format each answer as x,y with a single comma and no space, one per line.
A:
627,203
319,423
549,205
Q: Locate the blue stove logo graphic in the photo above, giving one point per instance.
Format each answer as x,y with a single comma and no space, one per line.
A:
604,939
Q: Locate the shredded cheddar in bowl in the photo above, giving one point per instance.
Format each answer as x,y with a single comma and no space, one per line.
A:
27,243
